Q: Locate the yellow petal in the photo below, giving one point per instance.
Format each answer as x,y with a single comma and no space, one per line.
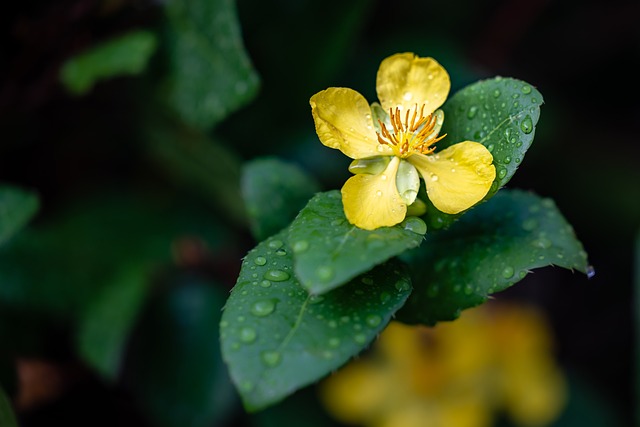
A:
457,177
343,121
405,80
372,201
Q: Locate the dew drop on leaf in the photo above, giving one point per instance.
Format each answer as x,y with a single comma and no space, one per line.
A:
248,335
271,358
276,275
508,272
527,125
373,320
300,246
260,260
263,308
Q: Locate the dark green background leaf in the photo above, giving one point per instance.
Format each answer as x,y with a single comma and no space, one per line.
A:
329,251
501,114
487,250
277,338
126,54
175,367
210,74
7,418
274,192
17,207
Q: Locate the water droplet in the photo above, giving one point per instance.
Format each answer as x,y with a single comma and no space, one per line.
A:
403,286
468,289
260,260
316,299
332,324
373,320
224,324
334,342
522,274
496,93
360,338
415,225
385,297
324,273
516,104
590,271
300,246
263,308
367,280
276,275
383,177
271,358
265,283
275,244
471,113
407,96
508,272
542,242
379,193
529,224
490,147
434,177
502,173
248,335
527,125
526,89
534,100
507,160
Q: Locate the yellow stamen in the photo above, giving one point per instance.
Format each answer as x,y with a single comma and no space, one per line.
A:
409,136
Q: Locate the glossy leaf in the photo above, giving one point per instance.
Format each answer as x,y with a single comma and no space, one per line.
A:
329,251
276,338
488,250
210,74
108,320
7,417
501,114
124,55
174,365
17,207
274,192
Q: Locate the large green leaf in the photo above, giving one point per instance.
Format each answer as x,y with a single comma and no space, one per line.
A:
17,207
277,338
124,55
108,320
274,192
329,251
174,366
7,417
501,114
210,74
487,250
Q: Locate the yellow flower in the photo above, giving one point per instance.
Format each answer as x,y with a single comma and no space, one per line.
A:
393,143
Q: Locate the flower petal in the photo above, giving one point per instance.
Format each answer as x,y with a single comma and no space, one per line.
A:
457,177
372,201
406,81
343,121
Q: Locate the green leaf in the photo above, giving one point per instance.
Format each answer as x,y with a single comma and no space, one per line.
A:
277,338
501,114
210,74
174,365
125,55
17,207
108,320
488,250
7,417
329,251
274,192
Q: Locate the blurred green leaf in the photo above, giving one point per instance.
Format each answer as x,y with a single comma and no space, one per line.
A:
200,165
276,338
488,250
7,418
274,192
174,362
108,320
501,114
124,55
329,251
210,74
17,207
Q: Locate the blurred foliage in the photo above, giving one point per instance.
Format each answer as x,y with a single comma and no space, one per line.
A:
142,223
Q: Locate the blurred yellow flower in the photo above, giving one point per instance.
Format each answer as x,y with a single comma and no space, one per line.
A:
393,142
459,374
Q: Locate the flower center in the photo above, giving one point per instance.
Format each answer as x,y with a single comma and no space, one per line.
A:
414,134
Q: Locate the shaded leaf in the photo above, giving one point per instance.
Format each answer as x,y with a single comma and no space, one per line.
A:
488,250
7,417
276,338
125,55
17,207
274,192
174,363
501,114
210,74
108,320
329,251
